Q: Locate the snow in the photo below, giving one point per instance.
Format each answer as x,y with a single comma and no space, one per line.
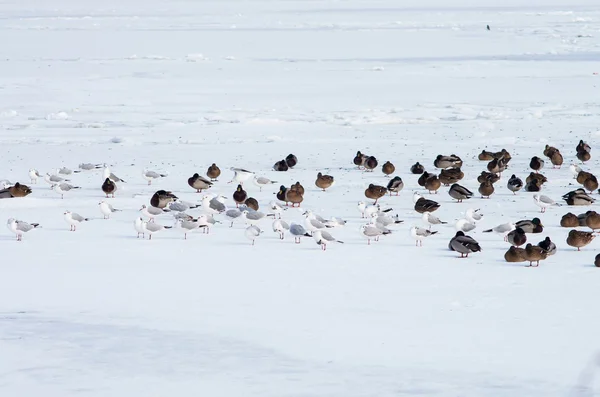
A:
176,86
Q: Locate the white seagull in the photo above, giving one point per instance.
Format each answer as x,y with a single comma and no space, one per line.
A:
241,175
62,188
151,175
152,228
419,234
323,238
280,227
20,227
152,212
138,225
74,219
252,233
106,209
34,175
544,202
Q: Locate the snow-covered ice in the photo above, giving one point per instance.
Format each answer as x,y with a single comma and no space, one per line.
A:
176,86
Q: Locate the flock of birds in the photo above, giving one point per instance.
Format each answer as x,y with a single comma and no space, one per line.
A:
379,220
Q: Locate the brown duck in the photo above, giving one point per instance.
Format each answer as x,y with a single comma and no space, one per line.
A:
388,168
496,166
375,192
569,220
433,183
486,189
291,160
213,172
536,175
239,196
442,161
533,253
324,181
485,156
503,154
109,187
423,178
281,166
533,186
536,163
556,159
371,163
488,176
583,151
199,183
451,175
294,196
514,254
597,261
251,202
359,159
424,205
549,151
579,239
17,190
591,184
582,176
592,220
298,187
417,168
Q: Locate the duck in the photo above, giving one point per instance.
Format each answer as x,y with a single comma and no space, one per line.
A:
432,184
459,233
417,168
556,159
517,237
582,219
578,198
395,185
597,261
536,163
591,184
514,184
533,253
424,205
514,254
17,190
281,166
199,183
548,246
486,189
459,192
592,220
375,192
294,196
371,163
162,198
359,159
281,194
213,172
298,187
388,168
530,226
464,245
496,166
549,150
252,203
452,161
423,178
109,187
533,186
504,155
240,195
488,176
582,176
536,175
583,146
584,156
324,181
451,175
485,156
573,192
579,239
291,160
569,220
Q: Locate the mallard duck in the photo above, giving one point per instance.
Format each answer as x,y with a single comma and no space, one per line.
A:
375,192
536,163
530,226
239,196
584,156
432,183
569,220
109,187
298,187
451,175
395,185
592,220
291,160
517,237
486,189
496,166
251,202
485,156
459,192
371,163
556,159
162,198
504,155
579,199
452,161
579,239
549,151
324,181
359,159
423,178
514,254
281,166
388,168
514,184
488,176
582,176
199,183
417,168
583,151
583,146
464,245
597,261
533,186
548,246
17,190
424,205
591,184
213,172
281,194
536,175
572,193
294,196
582,219
533,253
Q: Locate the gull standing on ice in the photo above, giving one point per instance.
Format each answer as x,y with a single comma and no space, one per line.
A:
74,219
181,206
252,233
89,166
253,217
54,179
431,219
152,228
464,225
419,233
152,212
298,232
261,181
20,227
280,227
151,175
138,225
62,188
544,202
186,226
372,232
206,222
241,175
107,209
323,238
502,229
473,215
275,209
34,175
66,171
212,205
233,215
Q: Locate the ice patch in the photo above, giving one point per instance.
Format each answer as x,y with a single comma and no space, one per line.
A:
8,113
196,58
57,116
378,69
229,58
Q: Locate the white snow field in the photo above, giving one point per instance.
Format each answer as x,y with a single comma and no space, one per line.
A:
178,85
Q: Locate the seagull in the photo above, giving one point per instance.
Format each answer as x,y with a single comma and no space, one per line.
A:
138,224
206,222
89,166
186,226
575,170
544,202
275,209
253,217
66,171
106,209
107,174
335,222
152,228
372,232
20,227
34,175
419,233
183,215
311,223
181,206
151,175
323,238
261,181
502,229
54,179
62,188
241,175
280,227
362,206
464,225
298,231
152,212
74,219
212,205
473,215
233,215
252,233
431,219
